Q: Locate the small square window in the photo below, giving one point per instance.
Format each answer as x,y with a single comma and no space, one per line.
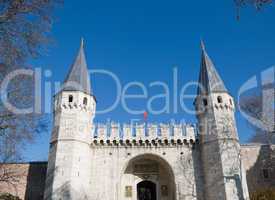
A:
205,103
85,101
70,98
219,99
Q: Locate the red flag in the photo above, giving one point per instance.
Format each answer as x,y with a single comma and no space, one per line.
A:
145,116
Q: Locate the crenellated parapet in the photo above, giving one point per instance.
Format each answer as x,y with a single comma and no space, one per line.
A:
142,134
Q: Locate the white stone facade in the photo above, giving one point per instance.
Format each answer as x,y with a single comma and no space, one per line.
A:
144,161
97,162
100,162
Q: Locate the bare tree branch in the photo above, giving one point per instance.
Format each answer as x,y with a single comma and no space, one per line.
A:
25,27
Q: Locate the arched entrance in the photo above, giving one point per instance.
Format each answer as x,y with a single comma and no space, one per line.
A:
146,190
148,177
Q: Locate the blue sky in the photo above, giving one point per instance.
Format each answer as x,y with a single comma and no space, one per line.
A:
144,40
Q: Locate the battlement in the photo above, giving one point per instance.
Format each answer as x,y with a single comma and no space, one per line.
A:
142,134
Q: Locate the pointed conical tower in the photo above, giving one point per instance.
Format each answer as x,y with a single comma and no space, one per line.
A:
68,173
220,148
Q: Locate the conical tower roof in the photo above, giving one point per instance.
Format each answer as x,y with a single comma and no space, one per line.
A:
78,78
209,79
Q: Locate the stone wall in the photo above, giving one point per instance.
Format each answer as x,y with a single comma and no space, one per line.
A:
113,171
259,163
28,180
110,170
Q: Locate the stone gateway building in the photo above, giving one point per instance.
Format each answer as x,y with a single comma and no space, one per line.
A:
147,161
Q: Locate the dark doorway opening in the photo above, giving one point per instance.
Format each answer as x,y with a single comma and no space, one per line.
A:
146,190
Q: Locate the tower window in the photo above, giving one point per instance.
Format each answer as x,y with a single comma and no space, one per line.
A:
71,98
265,173
205,103
219,99
85,101
231,102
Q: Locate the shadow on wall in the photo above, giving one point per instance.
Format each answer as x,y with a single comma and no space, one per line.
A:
64,192
262,174
198,172
67,192
194,177
36,181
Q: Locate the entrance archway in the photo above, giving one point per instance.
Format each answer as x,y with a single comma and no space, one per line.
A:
148,173
146,190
